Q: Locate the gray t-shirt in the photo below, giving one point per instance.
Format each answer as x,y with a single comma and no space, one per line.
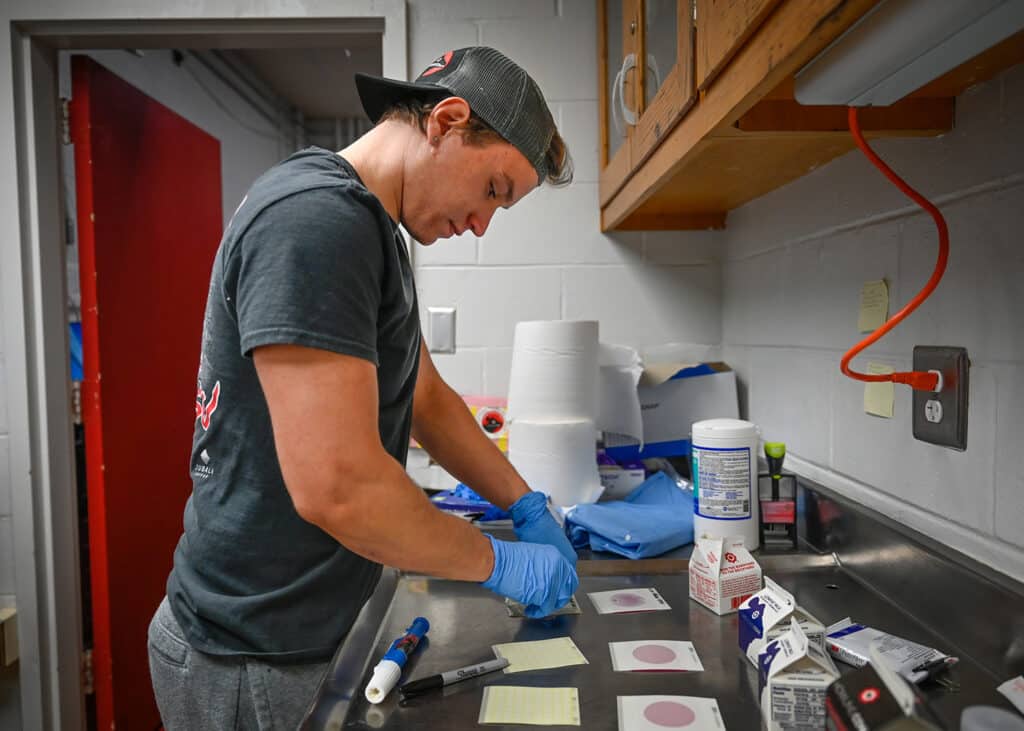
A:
310,258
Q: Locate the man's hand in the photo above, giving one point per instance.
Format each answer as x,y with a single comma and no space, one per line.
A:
533,574
534,523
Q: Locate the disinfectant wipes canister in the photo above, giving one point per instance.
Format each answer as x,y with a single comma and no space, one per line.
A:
724,471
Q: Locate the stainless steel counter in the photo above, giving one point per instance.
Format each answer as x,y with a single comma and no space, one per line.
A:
908,589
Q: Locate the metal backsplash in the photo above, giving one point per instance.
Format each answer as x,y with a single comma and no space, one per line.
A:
978,610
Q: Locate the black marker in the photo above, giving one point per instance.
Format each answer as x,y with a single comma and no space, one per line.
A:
452,676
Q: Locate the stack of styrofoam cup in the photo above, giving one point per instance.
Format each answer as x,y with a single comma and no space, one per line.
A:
552,407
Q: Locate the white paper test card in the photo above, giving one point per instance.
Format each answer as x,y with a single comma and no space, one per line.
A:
1013,689
659,712
539,654
874,306
653,655
535,706
627,600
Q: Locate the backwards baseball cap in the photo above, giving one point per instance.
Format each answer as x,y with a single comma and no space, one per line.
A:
497,89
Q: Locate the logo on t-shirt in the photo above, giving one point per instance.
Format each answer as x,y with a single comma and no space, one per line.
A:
204,408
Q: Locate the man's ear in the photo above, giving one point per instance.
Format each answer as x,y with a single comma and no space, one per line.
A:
447,114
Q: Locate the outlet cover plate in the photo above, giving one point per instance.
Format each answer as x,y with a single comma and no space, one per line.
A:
954,365
441,329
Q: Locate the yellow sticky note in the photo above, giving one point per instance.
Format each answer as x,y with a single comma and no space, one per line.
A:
535,706
879,397
554,653
874,306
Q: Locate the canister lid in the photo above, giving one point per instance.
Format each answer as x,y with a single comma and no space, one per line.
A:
724,428
989,718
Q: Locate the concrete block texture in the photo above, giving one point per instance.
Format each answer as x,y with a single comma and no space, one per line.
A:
642,304
429,37
794,264
6,556
489,301
5,427
551,226
462,370
1009,462
5,476
449,10
559,53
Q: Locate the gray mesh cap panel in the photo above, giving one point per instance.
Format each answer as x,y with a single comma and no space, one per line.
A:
497,89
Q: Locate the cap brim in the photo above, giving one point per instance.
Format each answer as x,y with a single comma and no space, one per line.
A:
379,94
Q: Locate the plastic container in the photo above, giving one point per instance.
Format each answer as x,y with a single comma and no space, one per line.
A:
724,471
989,718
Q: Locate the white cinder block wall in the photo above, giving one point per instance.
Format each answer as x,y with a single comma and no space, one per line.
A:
546,258
796,259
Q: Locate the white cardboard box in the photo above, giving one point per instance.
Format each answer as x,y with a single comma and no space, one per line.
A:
722,574
618,481
766,615
672,397
793,677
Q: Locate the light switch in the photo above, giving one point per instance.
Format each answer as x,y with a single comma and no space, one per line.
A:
441,329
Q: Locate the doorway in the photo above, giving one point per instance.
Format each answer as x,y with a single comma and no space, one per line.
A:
46,552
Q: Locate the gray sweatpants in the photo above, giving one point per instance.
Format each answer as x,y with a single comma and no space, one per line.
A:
196,691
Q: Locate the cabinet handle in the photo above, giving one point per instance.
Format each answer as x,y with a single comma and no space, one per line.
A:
619,97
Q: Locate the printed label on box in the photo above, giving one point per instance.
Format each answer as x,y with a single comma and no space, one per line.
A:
763,617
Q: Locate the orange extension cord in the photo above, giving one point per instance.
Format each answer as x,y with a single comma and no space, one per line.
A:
919,380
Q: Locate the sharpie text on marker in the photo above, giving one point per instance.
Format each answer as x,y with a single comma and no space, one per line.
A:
452,676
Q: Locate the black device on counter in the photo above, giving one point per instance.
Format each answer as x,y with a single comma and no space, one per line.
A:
776,492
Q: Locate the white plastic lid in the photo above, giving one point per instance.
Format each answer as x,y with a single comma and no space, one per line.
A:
724,428
385,675
989,718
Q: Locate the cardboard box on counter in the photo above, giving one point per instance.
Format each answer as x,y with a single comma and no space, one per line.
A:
673,397
723,574
767,614
618,480
794,675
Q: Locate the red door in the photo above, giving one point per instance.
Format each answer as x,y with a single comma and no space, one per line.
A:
149,221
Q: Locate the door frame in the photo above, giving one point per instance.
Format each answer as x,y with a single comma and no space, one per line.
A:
34,344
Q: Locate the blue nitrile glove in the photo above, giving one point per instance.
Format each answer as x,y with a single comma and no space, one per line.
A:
534,523
533,574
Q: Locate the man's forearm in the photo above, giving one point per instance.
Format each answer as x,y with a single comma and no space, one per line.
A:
383,516
446,429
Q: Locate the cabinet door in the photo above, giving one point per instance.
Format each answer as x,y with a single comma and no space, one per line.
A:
722,27
618,38
666,48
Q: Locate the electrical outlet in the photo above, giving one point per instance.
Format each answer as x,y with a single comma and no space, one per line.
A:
941,418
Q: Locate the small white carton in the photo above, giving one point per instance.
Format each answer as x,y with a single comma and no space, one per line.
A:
723,574
766,615
793,679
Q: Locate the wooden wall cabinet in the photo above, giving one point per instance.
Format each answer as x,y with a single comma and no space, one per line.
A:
646,80
723,128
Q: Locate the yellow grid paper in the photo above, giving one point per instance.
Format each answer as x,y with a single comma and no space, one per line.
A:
535,706
539,654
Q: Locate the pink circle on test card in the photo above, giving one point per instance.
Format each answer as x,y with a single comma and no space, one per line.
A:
654,654
669,714
625,599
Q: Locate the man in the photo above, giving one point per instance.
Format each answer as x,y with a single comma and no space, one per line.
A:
312,377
